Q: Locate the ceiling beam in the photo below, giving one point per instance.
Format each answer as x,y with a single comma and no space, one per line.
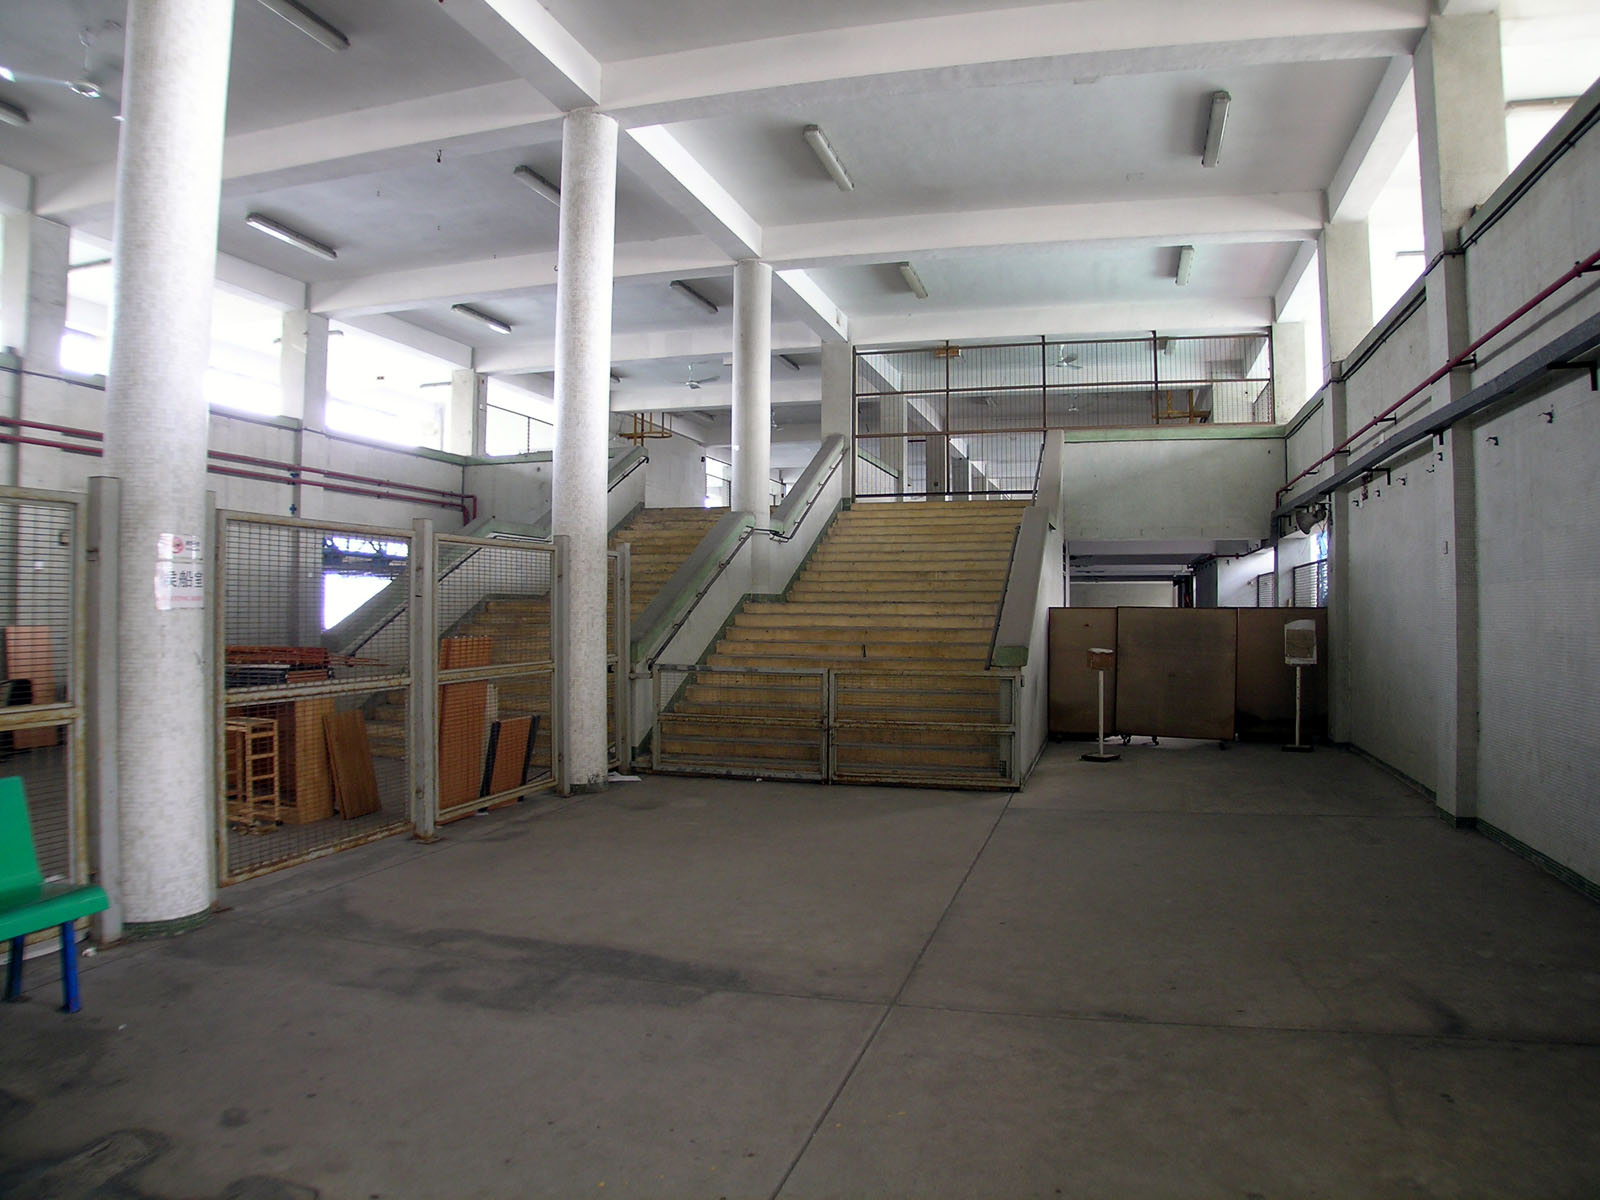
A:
1304,259
362,141
523,35
484,279
675,175
814,305
1384,136
702,342
1011,46
1285,216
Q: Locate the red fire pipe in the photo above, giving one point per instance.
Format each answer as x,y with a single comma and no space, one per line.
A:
1578,269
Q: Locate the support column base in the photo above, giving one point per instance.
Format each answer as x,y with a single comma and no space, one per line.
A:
139,931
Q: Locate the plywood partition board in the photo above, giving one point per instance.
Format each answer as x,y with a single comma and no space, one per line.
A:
1176,670
355,783
463,720
1266,684
1073,632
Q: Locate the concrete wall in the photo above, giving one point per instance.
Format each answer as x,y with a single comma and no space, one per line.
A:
514,490
676,476
1170,487
1236,578
1536,648
1123,595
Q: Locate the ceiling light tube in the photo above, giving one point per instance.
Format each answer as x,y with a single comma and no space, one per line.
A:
538,183
792,365
308,23
913,280
1219,122
1185,264
293,236
11,114
494,323
823,149
694,295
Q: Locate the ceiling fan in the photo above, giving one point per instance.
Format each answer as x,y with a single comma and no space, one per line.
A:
1068,362
692,383
95,83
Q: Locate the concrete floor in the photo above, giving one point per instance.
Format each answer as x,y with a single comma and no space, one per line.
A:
1189,973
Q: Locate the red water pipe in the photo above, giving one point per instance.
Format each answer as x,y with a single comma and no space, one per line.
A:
465,501
1578,269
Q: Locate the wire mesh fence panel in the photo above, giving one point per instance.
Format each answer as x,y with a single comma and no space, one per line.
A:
41,726
955,728
740,721
495,634
307,775
999,464
315,628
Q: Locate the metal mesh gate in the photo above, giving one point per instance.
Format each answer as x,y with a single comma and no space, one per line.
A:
313,690
495,624
41,714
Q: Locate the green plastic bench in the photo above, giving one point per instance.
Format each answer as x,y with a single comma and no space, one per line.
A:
29,904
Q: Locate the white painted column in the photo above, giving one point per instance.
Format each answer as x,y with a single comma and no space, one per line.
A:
583,385
1344,257
752,389
467,413
303,368
168,175
1462,149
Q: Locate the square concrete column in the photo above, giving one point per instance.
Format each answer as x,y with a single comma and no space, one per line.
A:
467,415
303,367
839,402
33,289
1462,150
1290,385
1344,258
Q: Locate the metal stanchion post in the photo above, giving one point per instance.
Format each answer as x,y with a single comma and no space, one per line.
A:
1099,661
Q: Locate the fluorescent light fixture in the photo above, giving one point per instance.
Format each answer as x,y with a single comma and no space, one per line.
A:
615,378
293,236
538,183
1219,122
494,323
308,23
694,295
11,114
1185,264
823,149
789,362
913,280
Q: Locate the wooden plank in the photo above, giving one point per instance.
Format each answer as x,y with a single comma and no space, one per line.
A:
1265,687
510,746
1175,671
1073,632
462,722
28,657
355,783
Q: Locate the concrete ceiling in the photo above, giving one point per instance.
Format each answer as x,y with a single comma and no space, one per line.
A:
1038,163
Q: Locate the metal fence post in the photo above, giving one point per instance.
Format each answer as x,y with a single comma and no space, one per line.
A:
563,653
424,688
100,548
624,666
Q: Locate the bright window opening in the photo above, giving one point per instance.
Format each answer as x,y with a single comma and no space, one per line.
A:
517,422
382,390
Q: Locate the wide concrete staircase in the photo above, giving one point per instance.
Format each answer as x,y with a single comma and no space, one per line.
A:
519,628
661,539
901,600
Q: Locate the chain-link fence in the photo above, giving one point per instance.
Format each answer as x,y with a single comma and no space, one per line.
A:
315,670
494,615
41,726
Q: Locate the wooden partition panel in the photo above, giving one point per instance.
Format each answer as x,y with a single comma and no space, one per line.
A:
1073,632
1176,669
1266,684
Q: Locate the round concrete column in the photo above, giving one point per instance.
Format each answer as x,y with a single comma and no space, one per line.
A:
583,418
752,388
175,90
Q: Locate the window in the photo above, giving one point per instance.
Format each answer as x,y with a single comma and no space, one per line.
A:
382,390
517,422
719,485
